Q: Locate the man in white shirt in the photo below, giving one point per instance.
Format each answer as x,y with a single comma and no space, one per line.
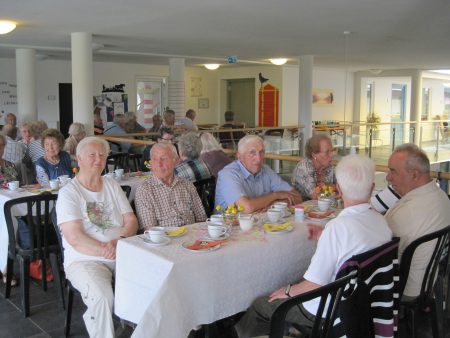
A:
187,122
14,150
423,208
357,229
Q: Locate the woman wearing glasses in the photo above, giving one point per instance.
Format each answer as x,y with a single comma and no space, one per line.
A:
316,168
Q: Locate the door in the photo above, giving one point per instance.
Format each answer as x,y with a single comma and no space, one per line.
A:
398,105
241,100
65,108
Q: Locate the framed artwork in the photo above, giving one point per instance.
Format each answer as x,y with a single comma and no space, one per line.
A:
203,103
196,86
322,96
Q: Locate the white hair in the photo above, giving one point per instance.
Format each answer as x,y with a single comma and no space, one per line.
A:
167,146
246,140
92,139
355,175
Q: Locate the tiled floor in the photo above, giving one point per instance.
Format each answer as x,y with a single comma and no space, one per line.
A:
47,317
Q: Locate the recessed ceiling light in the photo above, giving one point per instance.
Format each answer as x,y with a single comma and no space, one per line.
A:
212,66
6,26
278,62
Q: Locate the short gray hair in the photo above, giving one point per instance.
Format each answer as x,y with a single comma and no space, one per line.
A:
92,139
416,159
246,140
355,175
209,143
76,128
164,146
313,144
119,119
190,145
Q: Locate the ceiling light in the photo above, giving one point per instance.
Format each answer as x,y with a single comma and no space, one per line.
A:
212,66
278,62
6,26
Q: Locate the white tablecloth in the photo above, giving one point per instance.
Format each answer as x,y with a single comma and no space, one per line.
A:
168,290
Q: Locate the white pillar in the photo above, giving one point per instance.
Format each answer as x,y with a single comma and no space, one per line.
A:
82,80
26,85
416,104
176,86
306,65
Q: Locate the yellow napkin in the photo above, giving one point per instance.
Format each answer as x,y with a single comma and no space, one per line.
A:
176,232
276,227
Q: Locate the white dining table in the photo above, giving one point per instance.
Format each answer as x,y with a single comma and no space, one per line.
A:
168,290
6,195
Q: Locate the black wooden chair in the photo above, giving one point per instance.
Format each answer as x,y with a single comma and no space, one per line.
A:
206,190
431,292
42,244
326,315
127,190
117,161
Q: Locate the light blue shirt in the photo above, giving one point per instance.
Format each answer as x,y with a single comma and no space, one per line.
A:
235,181
115,129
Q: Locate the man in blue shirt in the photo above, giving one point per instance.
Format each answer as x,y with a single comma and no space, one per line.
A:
250,183
118,127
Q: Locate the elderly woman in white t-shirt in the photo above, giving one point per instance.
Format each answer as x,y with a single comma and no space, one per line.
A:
93,214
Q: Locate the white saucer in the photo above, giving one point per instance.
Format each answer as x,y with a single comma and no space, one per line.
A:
165,241
288,229
209,238
186,244
17,190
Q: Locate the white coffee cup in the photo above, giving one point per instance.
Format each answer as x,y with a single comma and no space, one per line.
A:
215,231
63,180
119,172
216,219
13,185
324,204
54,184
156,235
273,215
281,206
245,222
110,175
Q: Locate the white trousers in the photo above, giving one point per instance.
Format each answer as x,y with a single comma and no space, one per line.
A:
93,280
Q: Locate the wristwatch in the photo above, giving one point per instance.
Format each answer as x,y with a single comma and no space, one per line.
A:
287,290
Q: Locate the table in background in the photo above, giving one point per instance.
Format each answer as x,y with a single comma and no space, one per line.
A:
168,290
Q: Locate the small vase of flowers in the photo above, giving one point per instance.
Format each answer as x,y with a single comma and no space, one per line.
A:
230,214
326,194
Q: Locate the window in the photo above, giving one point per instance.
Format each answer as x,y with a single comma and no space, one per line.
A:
426,92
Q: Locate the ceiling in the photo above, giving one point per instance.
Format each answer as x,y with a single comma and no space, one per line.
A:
385,34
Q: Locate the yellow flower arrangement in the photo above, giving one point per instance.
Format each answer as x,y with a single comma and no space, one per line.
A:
230,213
148,164
325,191
75,170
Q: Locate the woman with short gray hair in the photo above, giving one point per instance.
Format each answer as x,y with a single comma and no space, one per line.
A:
76,134
191,167
212,154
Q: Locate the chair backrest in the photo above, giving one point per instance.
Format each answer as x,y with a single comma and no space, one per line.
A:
38,220
117,160
206,190
439,253
330,294
58,232
127,190
364,312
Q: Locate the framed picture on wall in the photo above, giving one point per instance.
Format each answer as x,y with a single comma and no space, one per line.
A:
322,96
203,103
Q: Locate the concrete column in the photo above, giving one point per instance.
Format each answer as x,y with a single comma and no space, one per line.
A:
176,86
26,85
416,104
82,80
306,65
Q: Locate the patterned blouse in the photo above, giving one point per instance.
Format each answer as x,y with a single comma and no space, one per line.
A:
8,173
193,170
304,177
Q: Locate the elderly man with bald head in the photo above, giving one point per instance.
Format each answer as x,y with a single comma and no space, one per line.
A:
250,183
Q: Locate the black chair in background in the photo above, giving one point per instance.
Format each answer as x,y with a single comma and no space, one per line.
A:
134,161
117,161
206,190
41,244
431,293
325,317
127,190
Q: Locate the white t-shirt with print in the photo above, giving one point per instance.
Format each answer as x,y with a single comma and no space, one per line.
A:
101,213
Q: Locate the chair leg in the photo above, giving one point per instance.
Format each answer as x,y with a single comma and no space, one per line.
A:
68,311
57,275
24,263
9,275
44,274
437,320
412,322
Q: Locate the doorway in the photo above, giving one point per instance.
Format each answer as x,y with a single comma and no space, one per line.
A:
65,108
398,109
241,100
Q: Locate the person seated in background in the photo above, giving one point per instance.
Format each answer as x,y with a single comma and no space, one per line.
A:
355,230
229,139
191,167
165,199
157,123
169,118
187,122
8,170
132,126
14,150
76,134
98,122
248,182
93,214
423,208
11,119
55,162
212,154
35,149
118,127
25,134
315,168
166,135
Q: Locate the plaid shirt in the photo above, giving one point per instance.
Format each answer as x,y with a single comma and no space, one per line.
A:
304,177
14,150
193,170
160,205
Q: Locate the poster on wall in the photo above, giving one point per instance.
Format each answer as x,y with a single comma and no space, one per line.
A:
112,103
322,96
8,99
